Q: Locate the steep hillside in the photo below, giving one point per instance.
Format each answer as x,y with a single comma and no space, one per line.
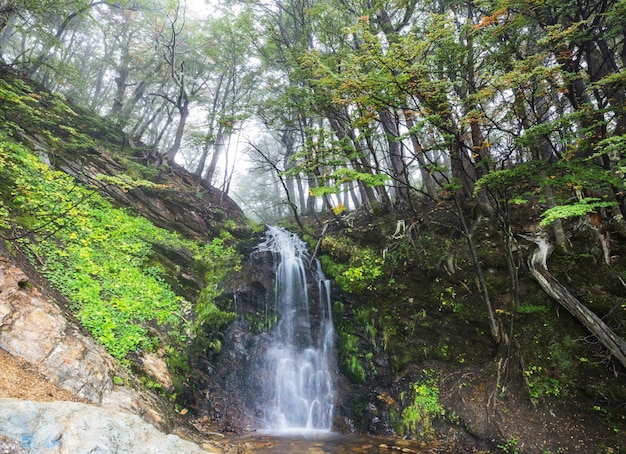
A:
129,250
415,340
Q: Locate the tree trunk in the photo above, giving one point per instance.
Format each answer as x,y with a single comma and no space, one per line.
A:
301,195
218,148
178,138
428,180
8,14
8,10
211,141
468,233
537,263
396,157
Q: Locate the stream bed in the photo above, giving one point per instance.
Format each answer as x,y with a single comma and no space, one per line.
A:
329,443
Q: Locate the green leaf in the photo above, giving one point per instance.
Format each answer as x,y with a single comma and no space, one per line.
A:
584,206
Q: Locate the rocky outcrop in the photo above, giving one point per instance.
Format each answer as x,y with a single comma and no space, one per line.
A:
72,427
34,328
179,201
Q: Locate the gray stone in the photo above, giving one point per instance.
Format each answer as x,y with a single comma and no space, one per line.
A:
76,428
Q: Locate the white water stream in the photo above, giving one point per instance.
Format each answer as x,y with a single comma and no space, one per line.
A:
300,354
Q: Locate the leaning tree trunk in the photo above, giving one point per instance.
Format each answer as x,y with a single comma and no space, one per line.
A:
537,263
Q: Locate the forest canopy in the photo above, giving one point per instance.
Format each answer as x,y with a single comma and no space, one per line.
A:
352,104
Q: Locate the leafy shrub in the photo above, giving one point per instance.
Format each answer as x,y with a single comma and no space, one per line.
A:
354,269
362,273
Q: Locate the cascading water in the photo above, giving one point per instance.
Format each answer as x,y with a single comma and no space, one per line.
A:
301,348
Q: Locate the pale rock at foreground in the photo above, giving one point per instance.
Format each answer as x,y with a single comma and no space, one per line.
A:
76,428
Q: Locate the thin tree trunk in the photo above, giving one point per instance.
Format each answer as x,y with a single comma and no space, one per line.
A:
396,157
7,24
427,176
178,138
218,148
468,233
342,131
301,195
8,12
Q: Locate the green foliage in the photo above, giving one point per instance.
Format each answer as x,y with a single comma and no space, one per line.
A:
220,260
350,363
423,407
532,309
330,267
355,370
336,180
49,118
361,269
540,385
531,180
362,274
509,446
93,253
580,208
126,182
447,298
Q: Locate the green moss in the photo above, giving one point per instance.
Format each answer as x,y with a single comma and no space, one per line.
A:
350,358
421,407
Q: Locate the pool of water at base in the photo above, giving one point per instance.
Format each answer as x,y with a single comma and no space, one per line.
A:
322,442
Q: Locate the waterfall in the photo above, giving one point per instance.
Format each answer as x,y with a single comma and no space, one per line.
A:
300,353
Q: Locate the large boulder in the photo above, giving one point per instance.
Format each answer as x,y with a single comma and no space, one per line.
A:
74,428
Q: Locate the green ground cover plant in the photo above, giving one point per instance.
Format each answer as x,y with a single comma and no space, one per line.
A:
99,257
93,253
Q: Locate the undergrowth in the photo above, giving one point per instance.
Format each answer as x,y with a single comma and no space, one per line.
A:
99,257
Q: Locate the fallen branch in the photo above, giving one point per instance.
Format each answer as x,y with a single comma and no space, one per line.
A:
537,263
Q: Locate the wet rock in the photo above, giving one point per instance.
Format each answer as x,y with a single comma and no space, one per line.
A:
70,427
236,385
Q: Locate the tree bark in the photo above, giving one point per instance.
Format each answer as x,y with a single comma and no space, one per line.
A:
8,13
537,263
342,130
468,233
218,148
183,110
396,155
428,180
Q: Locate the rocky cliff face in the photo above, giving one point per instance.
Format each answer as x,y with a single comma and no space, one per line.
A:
110,418
179,202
